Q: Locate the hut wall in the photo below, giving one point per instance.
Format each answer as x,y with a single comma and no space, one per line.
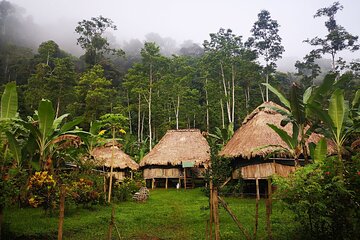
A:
161,173
263,170
117,175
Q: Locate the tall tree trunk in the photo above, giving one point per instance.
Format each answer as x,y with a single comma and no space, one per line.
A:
142,128
129,112
207,106
149,105
267,89
233,92
139,119
222,113
262,93
228,107
177,112
57,107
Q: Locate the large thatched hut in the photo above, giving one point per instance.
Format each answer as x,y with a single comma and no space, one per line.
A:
123,165
180,155
251,161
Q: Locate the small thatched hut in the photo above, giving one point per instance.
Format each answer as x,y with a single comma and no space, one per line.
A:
180,155
123,165
245,147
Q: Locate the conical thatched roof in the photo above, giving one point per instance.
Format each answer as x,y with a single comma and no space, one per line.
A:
102,157
178,146
255,133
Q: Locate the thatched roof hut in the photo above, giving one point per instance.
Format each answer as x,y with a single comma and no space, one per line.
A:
177,147
254,133
180,155
103,155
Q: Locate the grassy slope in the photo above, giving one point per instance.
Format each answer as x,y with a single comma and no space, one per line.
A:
168,214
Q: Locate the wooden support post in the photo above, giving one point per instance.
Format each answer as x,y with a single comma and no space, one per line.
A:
132,175
257,208
216,213
153,183
268,210
166,183
257,189
111,223
185,178
270,194
61,215
105,188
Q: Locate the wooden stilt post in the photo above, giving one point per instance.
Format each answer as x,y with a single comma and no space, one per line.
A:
268,210
152,183
105,188
132,175
185,178
166,183
257,207
270,194
257,189
216,214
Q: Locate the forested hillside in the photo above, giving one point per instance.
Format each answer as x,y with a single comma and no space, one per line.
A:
213,85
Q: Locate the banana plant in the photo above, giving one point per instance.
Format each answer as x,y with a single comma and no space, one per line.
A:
49,133
8,122
297,111
339,121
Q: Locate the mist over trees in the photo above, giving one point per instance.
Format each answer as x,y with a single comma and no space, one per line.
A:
157,83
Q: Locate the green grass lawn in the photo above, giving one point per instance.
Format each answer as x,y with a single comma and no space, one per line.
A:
168,214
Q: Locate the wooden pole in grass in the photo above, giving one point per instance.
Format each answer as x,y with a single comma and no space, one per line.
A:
234,217
268,210
166,183
111,223
61,215
257,207
185,178
216,214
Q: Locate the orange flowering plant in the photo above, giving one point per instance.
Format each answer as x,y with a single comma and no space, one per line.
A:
42,191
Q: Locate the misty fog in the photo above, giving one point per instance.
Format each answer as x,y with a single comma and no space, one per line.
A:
178,28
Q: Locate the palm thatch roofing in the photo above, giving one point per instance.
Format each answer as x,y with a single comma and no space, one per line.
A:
249,139
103,155
177,147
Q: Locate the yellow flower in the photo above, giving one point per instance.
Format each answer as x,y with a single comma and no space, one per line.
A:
102,132
122,131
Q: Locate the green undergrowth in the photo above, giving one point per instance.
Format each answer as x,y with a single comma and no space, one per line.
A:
168,214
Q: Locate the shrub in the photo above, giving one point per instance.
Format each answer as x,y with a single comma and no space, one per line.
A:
123,191
42,191
84,192
324,204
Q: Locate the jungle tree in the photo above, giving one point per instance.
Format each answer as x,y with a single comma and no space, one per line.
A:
337,39
92,38
222,51
266,40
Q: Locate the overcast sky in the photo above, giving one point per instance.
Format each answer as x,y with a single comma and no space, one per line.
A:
193,19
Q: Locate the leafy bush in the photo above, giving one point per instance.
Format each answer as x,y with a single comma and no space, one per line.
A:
123,191
42,191
83,192
325,204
